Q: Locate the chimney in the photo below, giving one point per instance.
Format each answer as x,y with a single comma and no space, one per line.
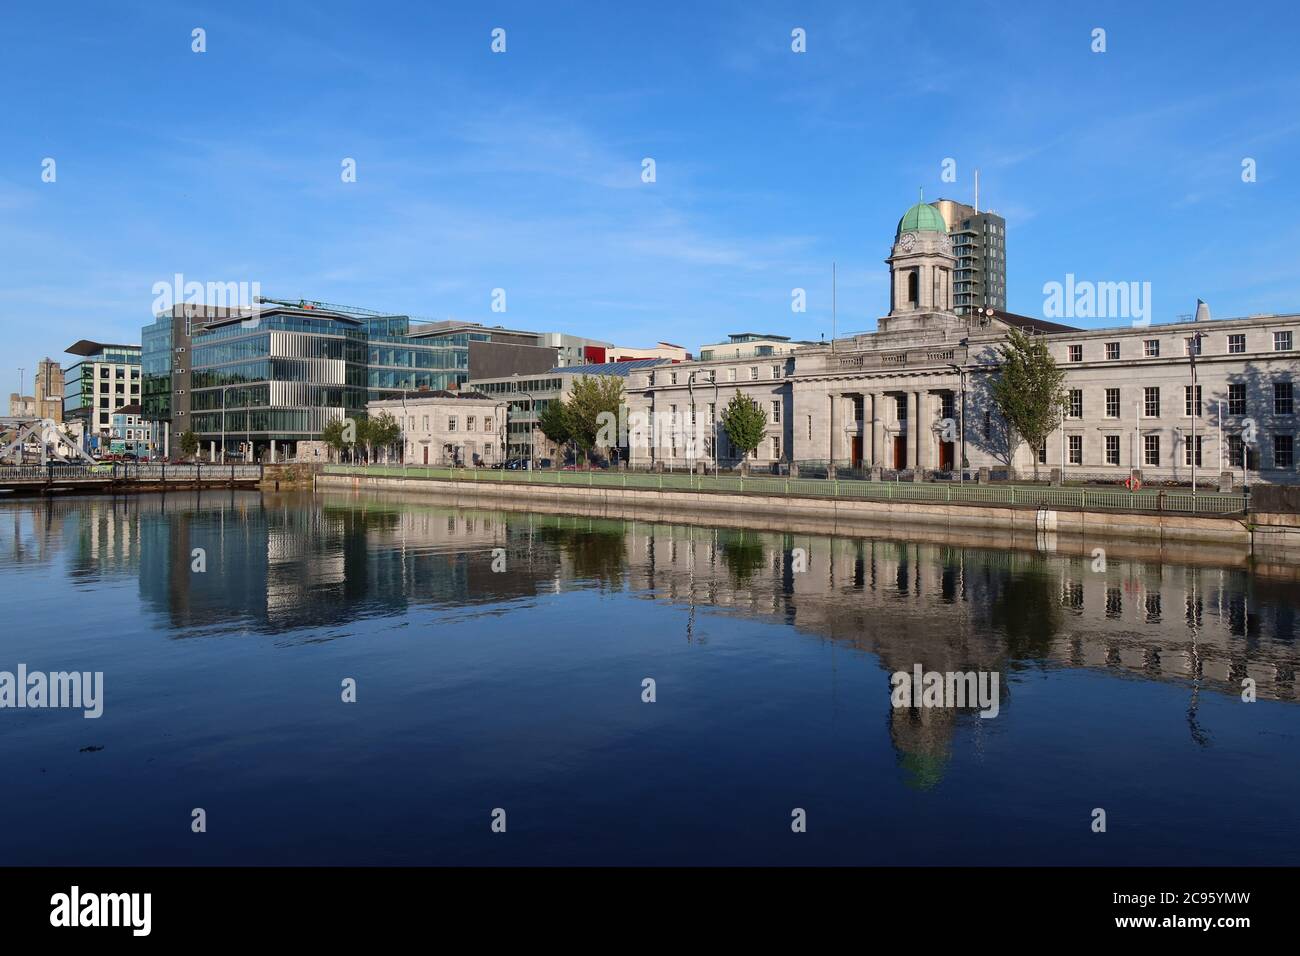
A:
1202,312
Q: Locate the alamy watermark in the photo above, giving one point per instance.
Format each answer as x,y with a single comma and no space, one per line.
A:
1084,299
947,689
231,295
82,690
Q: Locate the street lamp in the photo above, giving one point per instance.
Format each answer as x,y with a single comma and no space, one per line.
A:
961,424
690,440
1194,346
224,389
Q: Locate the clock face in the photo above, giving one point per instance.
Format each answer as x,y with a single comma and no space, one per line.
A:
908,241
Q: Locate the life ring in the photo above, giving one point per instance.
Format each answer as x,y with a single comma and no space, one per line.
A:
1132,483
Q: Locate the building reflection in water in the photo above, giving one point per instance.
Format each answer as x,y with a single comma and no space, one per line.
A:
283,563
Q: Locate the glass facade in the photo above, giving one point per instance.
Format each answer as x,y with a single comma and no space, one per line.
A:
156,370
277,377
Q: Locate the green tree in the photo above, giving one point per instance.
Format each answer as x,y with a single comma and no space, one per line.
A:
189,444
554,424
1029,391
744,422
337,435
592,412
378,431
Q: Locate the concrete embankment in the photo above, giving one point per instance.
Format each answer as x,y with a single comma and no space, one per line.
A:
1231,535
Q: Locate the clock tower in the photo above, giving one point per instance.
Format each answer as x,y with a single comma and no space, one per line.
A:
921,265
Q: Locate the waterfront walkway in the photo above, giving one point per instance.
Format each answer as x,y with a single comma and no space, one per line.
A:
999,494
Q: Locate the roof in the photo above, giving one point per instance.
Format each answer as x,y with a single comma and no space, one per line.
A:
921,218
416,394
312,313
755,335
1032,324
609,368
132,409
87,347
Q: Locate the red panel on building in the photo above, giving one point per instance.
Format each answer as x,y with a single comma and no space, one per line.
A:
595,354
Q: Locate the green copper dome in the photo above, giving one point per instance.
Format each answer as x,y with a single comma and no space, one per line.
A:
921,218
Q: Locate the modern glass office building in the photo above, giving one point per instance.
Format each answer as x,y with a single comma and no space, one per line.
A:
106,378
265,382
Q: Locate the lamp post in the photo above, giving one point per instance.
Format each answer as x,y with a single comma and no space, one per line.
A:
714,416
690,439
1194,346
530,429
224,389
961,421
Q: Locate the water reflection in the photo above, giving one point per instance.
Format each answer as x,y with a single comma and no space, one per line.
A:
281,564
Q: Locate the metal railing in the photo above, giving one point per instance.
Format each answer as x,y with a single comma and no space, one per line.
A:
1030,496
126,472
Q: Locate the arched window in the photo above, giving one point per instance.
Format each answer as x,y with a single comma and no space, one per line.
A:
913,287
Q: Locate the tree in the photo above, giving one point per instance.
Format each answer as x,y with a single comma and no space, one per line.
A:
554,423
378,431
189,444
1029,391
336,435
594,402
744,422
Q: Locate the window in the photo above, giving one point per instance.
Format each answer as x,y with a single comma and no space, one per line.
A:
1237,399
753,373
776,414
713,375
710,411
1283,447
1235,447
1042,453
776,449
1191,408
426,423
672,378
809,427
1192,345
776,371
1282,404
731,375
1151,348
487,424
1112,449
1281,341
1076,403
1075,444
451,423
1151,401
469,423
1112,350
1076,353
1187,450
1236,344
1151,449
1112,403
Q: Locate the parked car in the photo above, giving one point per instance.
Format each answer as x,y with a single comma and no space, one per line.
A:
545,463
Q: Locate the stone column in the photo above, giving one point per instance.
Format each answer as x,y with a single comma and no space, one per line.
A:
212,451
877,441
273,451
913,420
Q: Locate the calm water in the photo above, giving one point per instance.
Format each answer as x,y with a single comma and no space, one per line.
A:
522,690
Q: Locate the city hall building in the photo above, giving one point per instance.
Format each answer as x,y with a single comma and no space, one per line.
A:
915,396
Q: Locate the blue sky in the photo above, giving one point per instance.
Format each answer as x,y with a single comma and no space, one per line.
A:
522,170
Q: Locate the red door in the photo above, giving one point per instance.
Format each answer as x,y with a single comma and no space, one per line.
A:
426,454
